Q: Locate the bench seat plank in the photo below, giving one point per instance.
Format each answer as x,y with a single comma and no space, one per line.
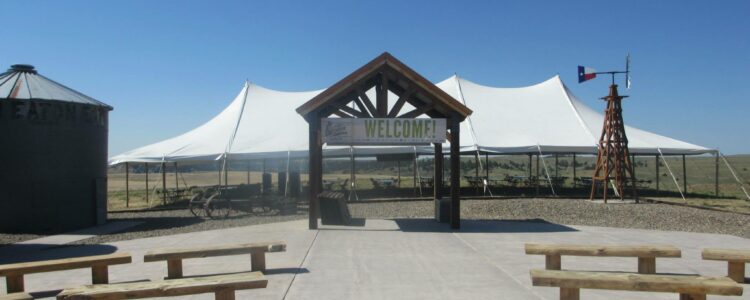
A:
683,284
603,250
727,254
64,264
16,296
166,288
234,249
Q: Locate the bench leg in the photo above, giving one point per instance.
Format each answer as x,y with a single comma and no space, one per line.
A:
737,271
552,262
258,261
224,295
14,283
174,268
570,293
692,297
647,265
99,274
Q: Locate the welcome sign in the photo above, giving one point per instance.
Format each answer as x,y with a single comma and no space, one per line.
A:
381,131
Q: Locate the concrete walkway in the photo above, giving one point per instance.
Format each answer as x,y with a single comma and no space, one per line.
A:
399,259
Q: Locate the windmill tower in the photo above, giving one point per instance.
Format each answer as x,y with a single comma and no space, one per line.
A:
613,164
613,160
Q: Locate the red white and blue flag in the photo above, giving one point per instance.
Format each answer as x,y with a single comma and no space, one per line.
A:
585,73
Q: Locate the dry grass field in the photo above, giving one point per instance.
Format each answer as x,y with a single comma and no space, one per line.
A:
700,176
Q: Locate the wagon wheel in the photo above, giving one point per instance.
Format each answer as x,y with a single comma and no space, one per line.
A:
218,207
198,205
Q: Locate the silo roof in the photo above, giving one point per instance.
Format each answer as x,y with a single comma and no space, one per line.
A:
22,82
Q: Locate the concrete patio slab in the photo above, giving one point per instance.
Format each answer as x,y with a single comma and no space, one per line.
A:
400,259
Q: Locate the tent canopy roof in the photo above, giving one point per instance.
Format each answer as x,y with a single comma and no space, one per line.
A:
545,117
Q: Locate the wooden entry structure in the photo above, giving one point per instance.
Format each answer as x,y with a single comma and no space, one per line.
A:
385,74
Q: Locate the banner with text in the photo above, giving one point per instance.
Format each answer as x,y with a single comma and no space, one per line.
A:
379,131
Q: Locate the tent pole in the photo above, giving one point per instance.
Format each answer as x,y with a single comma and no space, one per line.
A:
537,175
164,182
353,177
574,171
657,173
398,163
248,172
147,192
529,166
476,170
127,185
684,175
226,170
487,166
414,174
716,183
176,178
556,157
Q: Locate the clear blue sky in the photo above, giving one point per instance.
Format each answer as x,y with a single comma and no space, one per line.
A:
168,66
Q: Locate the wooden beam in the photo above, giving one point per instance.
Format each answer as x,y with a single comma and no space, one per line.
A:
362,107
437,178
315,178
354,112
416,112
455,126
400,103
382,96
342,114
366,100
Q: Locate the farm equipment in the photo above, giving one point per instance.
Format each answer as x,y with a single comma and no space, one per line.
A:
217,202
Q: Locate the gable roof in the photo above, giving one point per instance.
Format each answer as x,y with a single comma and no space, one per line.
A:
344,85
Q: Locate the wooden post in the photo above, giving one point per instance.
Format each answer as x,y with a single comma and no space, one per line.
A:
315,179
164,183
258,261
716,183
225,294
647,265
14,283
147,190
176,178
127,185
684,175
99,274
552,262
455,173
437,178
657,174
737,271
692,296
570,293
248,172
174,268
226,170
530,166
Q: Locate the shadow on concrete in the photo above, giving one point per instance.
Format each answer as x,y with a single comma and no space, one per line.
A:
286,271
158,223
483,226
17,253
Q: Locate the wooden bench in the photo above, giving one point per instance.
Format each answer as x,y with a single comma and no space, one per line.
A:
16,296
736,259
646,254
174,257
98,263
689,287
223,287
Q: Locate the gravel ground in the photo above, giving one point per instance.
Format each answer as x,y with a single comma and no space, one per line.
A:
575,212
560,211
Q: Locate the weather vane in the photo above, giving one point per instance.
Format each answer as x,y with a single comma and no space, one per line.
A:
586,73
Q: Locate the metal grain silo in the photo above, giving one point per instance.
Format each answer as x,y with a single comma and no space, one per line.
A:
53,155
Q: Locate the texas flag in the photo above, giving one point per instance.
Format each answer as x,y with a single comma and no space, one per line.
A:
585,73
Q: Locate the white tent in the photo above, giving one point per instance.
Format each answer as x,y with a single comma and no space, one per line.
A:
546,117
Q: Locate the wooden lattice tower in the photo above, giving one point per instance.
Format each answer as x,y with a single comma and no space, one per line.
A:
613,160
